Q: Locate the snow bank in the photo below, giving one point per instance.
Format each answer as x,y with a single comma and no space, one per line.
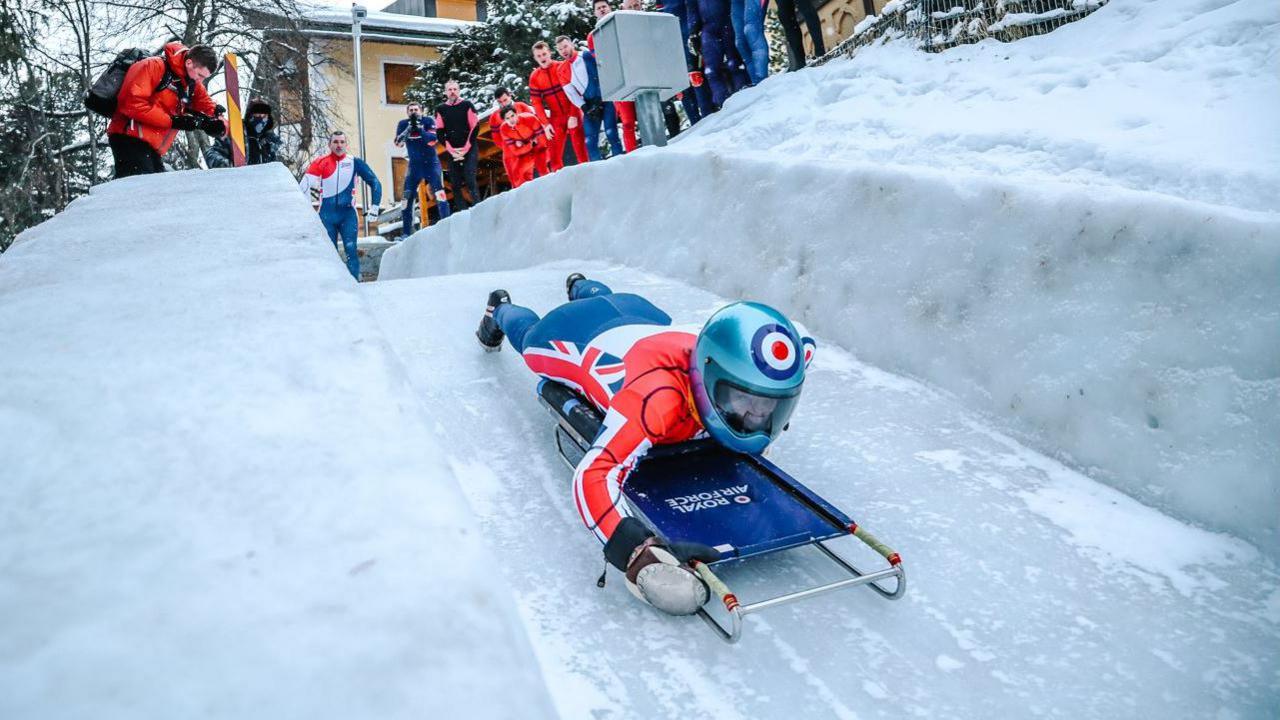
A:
218,497
1177,97
1130,333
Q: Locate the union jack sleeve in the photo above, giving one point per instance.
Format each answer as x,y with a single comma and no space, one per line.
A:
597,482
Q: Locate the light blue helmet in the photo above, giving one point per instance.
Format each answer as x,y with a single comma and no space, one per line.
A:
747,371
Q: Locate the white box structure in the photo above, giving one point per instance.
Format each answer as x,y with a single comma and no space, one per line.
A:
640,51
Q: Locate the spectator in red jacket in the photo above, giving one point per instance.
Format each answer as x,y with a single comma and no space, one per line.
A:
503,97
160,96
522,137
546,92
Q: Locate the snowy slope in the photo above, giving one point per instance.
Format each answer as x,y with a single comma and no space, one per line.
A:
1080,241
1034,591
218,498
1175,97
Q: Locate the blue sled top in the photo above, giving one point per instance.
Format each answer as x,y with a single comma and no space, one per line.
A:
700,491
742,505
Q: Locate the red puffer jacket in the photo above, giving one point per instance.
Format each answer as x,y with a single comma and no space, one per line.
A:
143,112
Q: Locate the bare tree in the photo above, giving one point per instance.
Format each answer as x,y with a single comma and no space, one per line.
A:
51,51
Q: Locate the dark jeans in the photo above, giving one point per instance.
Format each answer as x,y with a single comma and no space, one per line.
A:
791,28
463,173
134,156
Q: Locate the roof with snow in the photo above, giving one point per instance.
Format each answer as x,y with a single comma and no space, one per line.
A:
379,25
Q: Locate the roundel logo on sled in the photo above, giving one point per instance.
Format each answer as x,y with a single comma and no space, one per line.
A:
774,352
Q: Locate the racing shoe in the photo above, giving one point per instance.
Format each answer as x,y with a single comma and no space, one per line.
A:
489,334
569,281
658,573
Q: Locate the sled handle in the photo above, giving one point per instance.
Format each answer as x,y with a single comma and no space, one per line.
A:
731,605
874,543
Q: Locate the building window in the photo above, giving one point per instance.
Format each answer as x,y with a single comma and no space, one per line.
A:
396,78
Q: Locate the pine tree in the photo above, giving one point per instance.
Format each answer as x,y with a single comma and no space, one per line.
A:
496,53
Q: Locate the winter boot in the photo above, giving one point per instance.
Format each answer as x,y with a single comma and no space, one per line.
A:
569,281
489,334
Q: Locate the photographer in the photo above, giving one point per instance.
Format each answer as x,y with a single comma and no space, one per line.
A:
261,143
417,135
160,96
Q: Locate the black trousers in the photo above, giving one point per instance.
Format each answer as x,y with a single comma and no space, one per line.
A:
791,28
134,156
463,173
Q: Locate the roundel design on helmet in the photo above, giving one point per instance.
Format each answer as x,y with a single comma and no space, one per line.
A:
809,348
775,352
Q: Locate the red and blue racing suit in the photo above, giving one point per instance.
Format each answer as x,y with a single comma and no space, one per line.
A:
622,353
330,180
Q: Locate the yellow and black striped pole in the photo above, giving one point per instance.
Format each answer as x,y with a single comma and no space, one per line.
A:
235,121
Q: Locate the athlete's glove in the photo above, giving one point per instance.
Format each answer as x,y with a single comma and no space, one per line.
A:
185,122
658,573
593,109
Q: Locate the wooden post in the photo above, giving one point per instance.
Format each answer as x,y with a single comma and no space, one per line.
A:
422,204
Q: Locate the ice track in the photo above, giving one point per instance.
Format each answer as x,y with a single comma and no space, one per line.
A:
1035,591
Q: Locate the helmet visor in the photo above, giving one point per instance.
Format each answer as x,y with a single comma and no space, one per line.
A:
748,413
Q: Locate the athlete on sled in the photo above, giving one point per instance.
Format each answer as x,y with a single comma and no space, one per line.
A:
737,379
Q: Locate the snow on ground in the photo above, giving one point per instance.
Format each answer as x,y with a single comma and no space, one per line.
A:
1175,97
218,497
1034,591
1076,234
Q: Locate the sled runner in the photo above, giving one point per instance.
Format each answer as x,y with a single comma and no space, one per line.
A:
742,505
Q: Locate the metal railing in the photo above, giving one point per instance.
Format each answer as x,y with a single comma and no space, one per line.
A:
936,25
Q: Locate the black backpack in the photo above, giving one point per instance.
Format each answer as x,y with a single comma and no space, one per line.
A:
102,97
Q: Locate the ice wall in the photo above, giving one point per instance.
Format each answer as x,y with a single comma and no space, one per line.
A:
1133,334
218,498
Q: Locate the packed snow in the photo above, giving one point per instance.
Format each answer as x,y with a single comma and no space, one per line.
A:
219,498
1175,97
1033,591
1042,279
1076,234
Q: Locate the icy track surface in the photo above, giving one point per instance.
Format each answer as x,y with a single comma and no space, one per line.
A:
1034,591
1076,233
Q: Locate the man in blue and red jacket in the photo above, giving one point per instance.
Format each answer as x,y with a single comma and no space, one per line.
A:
582,86
417,135
736,378
330,181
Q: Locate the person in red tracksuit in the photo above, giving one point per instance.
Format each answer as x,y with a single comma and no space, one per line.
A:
522,138
546,92
504,100
160,96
